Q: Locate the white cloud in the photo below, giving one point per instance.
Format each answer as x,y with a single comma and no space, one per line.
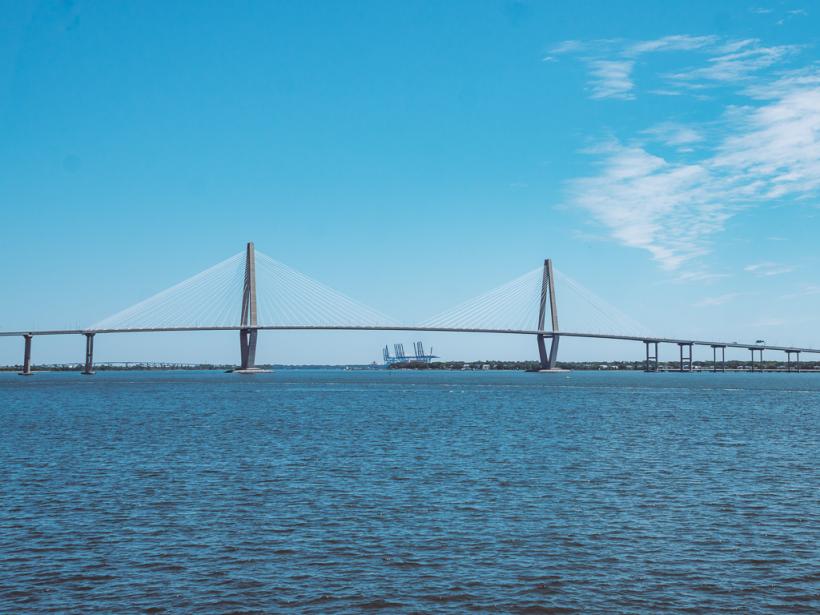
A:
674,134
787,83
736,45
568,47
716,301
700,276
736,64
666,92
779,144
679,42
648,203
806,290
611,62
611,78
767,269
672,206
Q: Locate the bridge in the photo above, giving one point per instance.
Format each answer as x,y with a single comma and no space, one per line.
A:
226,297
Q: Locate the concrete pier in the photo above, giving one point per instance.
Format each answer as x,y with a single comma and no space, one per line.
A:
651,364
753,350
789,354
722,357
685,358
88,369
27,355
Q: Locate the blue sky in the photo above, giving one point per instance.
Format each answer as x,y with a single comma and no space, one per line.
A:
412,155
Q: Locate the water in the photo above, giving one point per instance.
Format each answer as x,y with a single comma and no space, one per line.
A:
331,491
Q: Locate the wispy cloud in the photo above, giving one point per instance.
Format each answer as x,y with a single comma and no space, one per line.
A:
719,61
649,203
806,290
611,79
677,42
791,15
570,46
701,276
674,134
767,269
738,62
777,145
671,203
717,301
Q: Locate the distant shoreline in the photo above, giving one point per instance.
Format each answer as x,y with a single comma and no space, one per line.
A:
731,366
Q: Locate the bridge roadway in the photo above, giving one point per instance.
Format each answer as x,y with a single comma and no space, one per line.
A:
550,334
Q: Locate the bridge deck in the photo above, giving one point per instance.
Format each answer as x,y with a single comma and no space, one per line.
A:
632,338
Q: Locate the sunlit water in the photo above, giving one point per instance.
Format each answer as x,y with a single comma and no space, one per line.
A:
332,491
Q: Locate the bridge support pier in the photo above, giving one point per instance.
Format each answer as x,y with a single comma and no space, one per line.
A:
88,369
247,348
789,354
722,358
685,359
26,355
753,350
651,364
548,360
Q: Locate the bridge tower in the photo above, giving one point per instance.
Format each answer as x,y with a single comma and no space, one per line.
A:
548,292
247,337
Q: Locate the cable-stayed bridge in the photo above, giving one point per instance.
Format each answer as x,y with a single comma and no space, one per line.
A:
251,292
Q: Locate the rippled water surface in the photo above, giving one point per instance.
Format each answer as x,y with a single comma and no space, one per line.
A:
332,491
